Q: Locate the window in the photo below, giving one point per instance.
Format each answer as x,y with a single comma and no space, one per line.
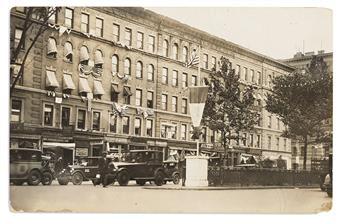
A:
269,123
84,55
174,104
175,51
238,70
112,123
137,127
214,62
69,17
125,125
185,54
205,61
150,99
127,96
65,116
16,111
17,36
68,53
96,120
53,15
285,147
184,80
150,72
204,134
140,40
269,142
138,97
278,124
258,141
260,119
164,101
51,48
165,76
99,59
48,115
116,32
184,105
127,66
173,130
244,139
175,78
151,45
277,143
84,23
251,140
149,127
114,97
139,70
245,72
194,80
128,37
115,64
168,131
252,75
258,79
165,48
269,80
99,27
183,131
81,119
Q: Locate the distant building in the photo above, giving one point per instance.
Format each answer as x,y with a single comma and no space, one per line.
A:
116,79
317,152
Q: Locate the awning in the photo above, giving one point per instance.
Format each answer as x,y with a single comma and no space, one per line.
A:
51,80
115,88
98,88
57,145
68,49
127,91
84,54
98,57
51,46
68,82
84,86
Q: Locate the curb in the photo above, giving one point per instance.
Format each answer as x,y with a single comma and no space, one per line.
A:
230,188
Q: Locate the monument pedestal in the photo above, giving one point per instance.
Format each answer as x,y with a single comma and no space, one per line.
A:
196,171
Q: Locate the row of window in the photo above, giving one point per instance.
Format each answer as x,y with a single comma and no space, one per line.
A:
277,143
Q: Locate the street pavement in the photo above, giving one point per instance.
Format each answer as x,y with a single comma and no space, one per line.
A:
137,199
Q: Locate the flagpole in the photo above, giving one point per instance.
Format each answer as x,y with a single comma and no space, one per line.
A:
198,83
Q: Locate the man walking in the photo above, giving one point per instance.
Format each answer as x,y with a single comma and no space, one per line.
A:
103,169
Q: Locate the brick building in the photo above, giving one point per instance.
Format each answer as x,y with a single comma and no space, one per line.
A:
115,79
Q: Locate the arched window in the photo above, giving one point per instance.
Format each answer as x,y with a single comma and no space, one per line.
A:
115,64
84,55
68,52
150,72
165,48
51,48
139,70
175,51
99,59
185,54
127,66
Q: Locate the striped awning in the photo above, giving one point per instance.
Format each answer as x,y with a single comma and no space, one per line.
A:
68,82
98,88
84,86
51,46
98,57
51,79
68,50
84,54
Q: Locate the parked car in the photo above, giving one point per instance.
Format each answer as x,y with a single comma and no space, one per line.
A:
87,170
171,171
141,166
27,165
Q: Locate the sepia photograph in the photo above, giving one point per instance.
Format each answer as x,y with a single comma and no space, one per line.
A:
170,110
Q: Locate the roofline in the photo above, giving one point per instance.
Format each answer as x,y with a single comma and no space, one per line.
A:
307,57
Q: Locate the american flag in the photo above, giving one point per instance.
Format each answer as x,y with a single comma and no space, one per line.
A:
194,59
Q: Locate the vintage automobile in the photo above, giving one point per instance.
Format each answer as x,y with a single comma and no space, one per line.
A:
171,171
141,166
87,170
27,165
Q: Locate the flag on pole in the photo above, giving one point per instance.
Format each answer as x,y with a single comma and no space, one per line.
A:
197,96
194,59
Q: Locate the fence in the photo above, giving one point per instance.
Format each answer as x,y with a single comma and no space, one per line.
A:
261,177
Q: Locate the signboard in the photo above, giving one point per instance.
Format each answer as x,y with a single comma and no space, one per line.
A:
81,152
161,144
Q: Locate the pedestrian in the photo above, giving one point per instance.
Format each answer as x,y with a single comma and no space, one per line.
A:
182,167
103,169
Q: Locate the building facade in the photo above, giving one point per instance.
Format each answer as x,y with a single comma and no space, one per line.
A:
116,79
316,153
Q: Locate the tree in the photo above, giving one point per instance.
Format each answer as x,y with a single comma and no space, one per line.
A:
302,100
229,107
35,24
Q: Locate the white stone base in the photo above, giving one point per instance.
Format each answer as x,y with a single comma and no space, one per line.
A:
196,171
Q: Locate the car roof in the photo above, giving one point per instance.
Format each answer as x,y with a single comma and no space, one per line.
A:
25,149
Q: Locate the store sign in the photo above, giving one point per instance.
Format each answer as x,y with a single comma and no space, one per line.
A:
81,152
161,144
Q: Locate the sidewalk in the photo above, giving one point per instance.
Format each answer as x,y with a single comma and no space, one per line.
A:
179,187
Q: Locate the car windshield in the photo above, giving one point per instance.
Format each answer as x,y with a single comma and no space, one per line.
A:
21,155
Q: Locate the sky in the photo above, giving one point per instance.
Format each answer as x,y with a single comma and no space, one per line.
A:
275,32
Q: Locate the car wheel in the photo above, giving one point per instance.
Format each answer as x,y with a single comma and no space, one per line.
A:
159,178
123,178
63,181
34,178
77,179
18,182
141,182
176,178
47,178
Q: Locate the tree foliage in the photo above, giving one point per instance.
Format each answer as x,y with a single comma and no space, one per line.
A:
229,108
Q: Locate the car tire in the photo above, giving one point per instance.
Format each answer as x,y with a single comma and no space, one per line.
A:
77,178
141,182
159,178
47,178
123,178
63,181
18,182
34,178
176,178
